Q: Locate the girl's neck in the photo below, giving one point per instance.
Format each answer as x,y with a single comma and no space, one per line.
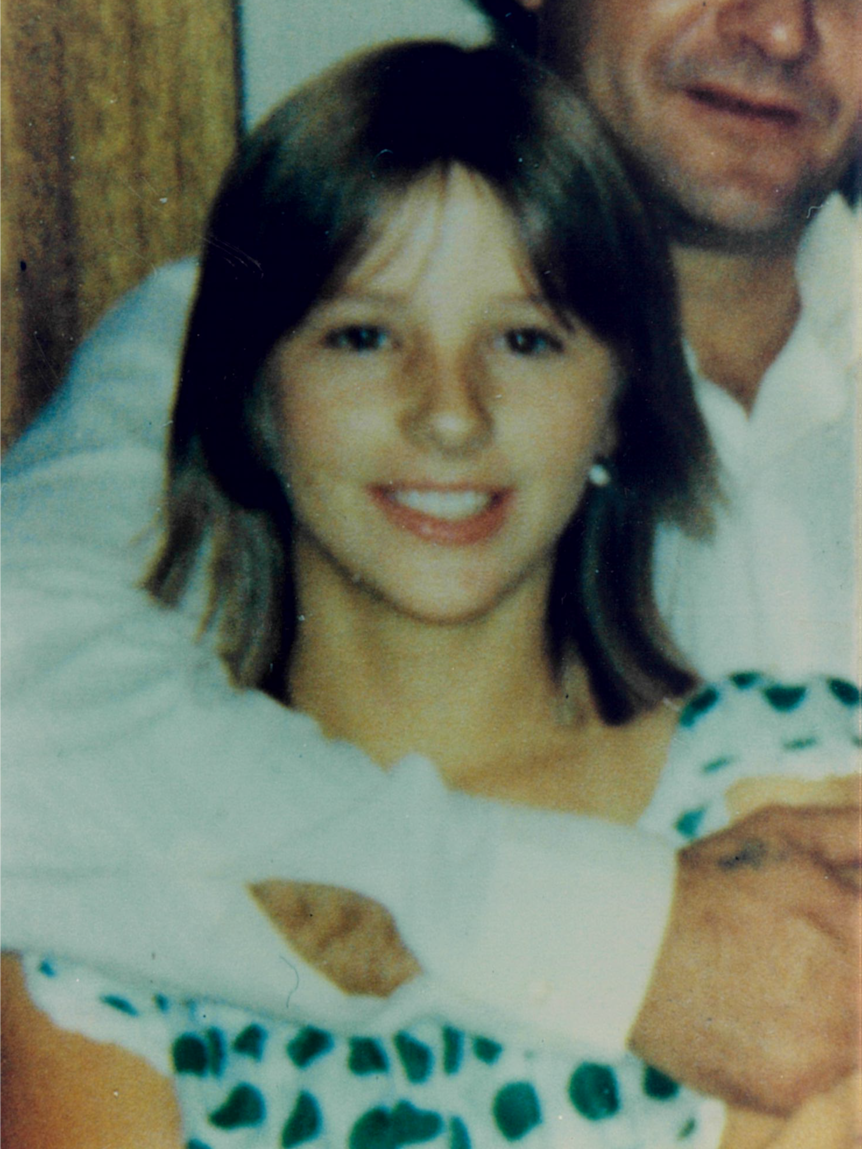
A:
481,700
466,695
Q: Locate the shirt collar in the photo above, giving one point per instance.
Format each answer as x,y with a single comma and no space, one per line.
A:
810,382
829,272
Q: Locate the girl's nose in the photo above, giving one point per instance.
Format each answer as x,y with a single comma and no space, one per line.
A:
447,408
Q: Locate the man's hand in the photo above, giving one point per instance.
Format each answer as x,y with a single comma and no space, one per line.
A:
755,997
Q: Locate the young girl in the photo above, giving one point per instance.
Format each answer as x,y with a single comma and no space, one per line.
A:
432,407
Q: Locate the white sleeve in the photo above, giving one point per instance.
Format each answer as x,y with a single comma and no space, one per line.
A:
142,791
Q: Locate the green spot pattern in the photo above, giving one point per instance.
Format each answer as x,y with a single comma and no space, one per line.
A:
517,1110
593,1091
717,764
487,1050
453,1049
701,704
799,744
416,1057
251,1042
784,698
216,1050
658,1085
688,823
190,1055
459,1138
309,1044
304,1123
243,1107
367,1056
845,692
119,1003
388,1129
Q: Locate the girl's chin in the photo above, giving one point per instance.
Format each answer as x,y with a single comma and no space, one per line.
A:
450,600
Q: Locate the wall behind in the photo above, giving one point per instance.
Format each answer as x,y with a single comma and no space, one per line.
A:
118,118
286,41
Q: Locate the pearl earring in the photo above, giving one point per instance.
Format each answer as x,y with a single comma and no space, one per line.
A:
599,475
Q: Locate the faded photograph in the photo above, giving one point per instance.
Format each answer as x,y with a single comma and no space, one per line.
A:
431,574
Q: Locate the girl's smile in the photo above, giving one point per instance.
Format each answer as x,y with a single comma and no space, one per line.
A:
453,516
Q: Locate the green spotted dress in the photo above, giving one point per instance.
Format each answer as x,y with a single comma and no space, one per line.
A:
248,1081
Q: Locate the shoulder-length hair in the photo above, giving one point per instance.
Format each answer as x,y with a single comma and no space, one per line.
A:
304,199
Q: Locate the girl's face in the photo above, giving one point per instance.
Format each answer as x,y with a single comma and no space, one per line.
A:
437,421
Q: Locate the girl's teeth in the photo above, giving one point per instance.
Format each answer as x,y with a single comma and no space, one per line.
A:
444,504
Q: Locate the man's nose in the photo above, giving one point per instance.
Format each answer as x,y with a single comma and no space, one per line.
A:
780,30
447,405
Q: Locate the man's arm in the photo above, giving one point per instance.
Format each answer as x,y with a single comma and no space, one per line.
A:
142,789
756,995
142,792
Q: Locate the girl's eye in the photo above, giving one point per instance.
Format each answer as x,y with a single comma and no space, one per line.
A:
532,341
357,337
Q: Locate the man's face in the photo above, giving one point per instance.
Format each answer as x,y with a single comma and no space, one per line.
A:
743,113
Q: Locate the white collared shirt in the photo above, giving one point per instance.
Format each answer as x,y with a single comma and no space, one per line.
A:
778,586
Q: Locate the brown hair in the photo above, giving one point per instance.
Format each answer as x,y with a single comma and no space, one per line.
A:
303,200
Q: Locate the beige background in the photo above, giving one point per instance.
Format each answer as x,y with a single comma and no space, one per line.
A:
118,117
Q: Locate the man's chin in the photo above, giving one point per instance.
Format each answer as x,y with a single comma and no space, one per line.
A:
734,219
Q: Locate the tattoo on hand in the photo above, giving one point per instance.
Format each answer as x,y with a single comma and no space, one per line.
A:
754,853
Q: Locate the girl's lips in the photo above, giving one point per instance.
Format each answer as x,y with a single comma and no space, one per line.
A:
451,516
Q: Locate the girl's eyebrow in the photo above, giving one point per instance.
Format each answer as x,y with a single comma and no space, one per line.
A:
533,299
359,295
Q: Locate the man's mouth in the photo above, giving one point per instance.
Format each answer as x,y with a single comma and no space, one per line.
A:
780,113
